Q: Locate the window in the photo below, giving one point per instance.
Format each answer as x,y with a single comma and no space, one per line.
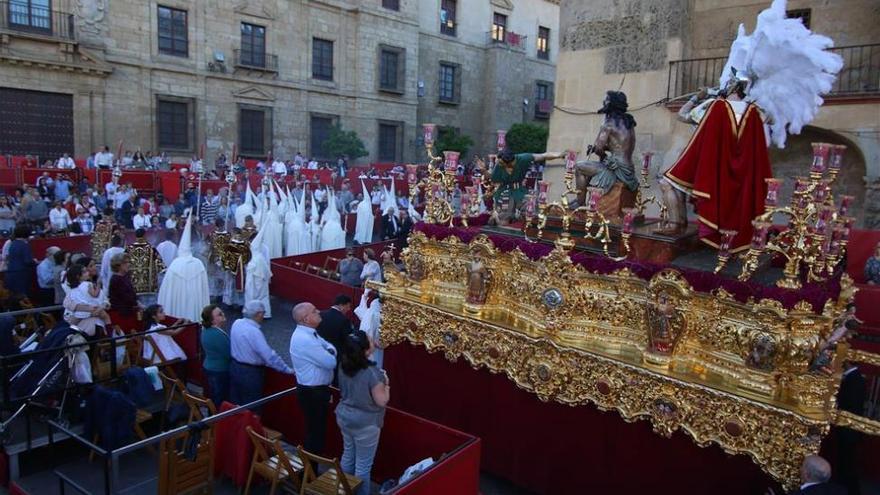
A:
253,45
30,14
802,14
254,130
449,89
391,4
320,127
499,27
543,43
322,59
173,32
174,123
389,141
391,69
447,17
543,99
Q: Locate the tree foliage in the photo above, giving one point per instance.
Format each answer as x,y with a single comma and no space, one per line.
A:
342,142
527,138
450,140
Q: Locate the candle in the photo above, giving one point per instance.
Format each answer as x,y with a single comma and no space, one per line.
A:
773,186
646,161
429,130
477,180
530,205
845,201
820,192
542,192
836,157
465,203
759,237
629,215
847,228
502,139
451,161
726,238
412,173
820,157
595,194
570,161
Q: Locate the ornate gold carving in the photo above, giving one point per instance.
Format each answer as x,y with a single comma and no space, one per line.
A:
146,265
734,374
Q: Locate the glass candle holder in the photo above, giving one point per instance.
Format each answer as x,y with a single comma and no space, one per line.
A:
477,181
820,157
773,186
429,132
451,160
759,237
543,187
836,160
531,205
726,239
595,194
570,162
465,203
629,215
501,141
646,162
412,174
845,202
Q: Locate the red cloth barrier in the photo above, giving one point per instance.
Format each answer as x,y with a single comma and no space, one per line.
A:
549,447
189,341
29,176
405,440
178,166
324,176
233,446
71,244
169,184
22,161
10,178
3,163
142,180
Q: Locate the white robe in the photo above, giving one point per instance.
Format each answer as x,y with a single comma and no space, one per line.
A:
241,212
256,282
184,290
363,227
274,235
332,235
297,233
371,321
167,251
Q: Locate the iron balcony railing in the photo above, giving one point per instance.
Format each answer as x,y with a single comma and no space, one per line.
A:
256,60
507,38
860,75
24,16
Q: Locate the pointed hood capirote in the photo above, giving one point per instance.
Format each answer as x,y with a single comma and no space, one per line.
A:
184,289
185,247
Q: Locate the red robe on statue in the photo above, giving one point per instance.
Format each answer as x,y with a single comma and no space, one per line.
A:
724,166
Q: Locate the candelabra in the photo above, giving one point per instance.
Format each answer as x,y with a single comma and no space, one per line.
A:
596,225
231,179
816,233
642,198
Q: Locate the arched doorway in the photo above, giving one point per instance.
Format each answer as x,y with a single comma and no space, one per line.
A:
795,159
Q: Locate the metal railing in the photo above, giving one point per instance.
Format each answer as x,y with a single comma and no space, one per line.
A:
860,74
255,60
22,16
509,39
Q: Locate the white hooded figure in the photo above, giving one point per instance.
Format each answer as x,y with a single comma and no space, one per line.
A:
258,272
315,226
371,322
184,290
363,227
273,226
246,208
297,232
332,234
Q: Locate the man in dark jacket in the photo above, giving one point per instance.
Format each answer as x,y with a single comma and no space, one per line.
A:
335,324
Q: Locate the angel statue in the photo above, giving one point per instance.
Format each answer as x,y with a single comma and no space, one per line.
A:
775,74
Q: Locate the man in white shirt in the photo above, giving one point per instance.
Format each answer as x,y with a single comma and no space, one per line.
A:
298,161
250,354
121,196
314,360
110,189
141,220
59,218
195,165
279,167
104,159
313,164
66,162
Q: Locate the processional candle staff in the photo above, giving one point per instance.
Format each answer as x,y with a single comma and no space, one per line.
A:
231,179
724,248
501,141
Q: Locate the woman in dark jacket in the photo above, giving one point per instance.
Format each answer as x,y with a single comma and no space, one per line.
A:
20,262
124,305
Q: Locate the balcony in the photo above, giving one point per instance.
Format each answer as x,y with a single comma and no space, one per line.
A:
507,38
256,61
859,78
543,109
17,17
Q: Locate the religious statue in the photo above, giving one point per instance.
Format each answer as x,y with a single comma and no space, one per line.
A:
665,324
478,282
614,146
762,353
508,178
146,265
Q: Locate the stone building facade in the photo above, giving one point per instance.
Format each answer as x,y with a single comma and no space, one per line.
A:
656,49
499,78
177,76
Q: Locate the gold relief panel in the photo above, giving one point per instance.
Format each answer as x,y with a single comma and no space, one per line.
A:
725,372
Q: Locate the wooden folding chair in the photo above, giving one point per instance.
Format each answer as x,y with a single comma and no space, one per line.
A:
159,360
105,352
179,475
175,393
198,407
273,463
332,482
